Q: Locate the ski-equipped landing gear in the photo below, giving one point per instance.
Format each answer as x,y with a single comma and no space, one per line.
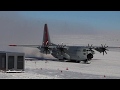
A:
87,61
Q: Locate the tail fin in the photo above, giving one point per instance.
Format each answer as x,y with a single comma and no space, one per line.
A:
46,37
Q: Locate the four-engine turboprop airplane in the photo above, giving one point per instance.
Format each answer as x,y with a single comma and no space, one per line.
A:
64,52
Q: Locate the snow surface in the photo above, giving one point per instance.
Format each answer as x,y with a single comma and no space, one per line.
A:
101,67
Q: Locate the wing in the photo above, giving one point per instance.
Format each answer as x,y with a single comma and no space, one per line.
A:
114,48
104,48
43,49
34,46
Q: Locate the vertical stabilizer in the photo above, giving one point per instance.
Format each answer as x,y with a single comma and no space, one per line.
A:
46,37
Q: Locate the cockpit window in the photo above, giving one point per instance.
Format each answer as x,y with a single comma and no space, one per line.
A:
84,50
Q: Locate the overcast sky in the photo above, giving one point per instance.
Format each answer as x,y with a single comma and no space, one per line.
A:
26,27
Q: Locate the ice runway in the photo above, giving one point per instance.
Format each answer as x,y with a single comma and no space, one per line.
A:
101,67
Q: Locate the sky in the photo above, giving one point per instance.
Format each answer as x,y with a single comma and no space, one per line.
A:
108,20
26,27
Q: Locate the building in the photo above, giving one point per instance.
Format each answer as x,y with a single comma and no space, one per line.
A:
12,61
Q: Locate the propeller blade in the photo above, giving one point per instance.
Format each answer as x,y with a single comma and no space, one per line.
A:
105,52
104,48
104,45
101,45
61,48
91,45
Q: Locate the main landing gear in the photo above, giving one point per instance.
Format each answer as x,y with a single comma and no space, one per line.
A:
87,61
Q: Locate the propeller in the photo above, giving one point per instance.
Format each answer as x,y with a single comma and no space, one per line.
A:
104,49
90,47
46,49
61,48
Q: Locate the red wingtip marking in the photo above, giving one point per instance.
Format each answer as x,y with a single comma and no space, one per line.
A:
12,45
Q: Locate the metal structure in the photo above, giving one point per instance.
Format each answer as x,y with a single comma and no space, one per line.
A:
12,61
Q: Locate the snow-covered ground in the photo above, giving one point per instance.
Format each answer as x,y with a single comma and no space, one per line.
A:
101,67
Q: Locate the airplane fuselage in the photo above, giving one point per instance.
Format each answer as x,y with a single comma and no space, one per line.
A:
76,53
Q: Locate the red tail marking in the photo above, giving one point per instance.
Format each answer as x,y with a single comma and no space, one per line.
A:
46,34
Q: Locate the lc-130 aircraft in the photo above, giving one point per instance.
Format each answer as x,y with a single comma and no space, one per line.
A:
64,52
